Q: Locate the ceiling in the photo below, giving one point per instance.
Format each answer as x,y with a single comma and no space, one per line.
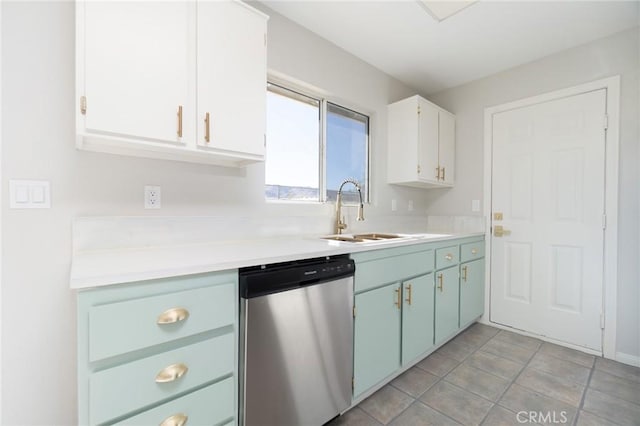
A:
400,38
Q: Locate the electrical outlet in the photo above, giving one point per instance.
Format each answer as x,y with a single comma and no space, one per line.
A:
152,197
475,205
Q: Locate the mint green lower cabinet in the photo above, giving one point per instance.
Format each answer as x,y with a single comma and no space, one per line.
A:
150,350
417,317
209,406
471,291
376,336
446,303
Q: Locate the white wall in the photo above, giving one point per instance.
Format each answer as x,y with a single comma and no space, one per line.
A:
38,309
618,54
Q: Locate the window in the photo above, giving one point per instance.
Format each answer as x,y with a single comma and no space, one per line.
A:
312,146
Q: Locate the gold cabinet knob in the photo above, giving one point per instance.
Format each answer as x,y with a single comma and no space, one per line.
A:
171,373
179,419
474,251
173,315
449,256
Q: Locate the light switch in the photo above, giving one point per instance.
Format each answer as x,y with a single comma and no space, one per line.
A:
29,194
475,205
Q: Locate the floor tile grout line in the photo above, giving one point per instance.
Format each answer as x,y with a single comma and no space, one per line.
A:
584,393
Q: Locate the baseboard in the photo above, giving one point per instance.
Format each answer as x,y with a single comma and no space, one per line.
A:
633,360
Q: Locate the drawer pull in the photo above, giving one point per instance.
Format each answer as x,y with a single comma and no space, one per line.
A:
179,419
440,282
474,251
464,276
449,256
397,302
173,315
171,373
408,299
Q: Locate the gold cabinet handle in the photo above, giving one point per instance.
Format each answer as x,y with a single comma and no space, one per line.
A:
207,125
179,121
398,299
172,315
408,299
442,168
440,281
474,251
179,419
464,273
437,173
449,256
171,373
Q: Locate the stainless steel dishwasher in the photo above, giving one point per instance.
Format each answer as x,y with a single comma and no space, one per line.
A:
296,342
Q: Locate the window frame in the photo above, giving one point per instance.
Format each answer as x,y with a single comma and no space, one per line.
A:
324,98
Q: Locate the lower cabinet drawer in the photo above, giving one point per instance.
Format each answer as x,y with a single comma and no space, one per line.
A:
471,251
209,406
116,391
446,256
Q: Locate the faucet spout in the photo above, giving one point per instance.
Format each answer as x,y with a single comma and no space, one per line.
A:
340,222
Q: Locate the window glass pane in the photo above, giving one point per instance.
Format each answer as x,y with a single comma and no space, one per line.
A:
347,152
292,152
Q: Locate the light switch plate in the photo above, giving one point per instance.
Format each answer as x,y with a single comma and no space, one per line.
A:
29,194
475,205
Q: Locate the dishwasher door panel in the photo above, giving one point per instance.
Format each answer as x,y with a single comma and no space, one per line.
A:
298,355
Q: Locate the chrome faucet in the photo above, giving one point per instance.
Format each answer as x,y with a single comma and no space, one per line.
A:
340,222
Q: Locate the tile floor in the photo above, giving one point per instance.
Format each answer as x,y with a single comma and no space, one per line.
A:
486,376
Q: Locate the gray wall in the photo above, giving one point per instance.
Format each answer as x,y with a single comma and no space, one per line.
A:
38,309
615,55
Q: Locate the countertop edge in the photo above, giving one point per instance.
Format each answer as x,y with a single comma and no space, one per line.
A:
115,267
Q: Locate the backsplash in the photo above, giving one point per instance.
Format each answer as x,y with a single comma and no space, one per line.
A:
455,224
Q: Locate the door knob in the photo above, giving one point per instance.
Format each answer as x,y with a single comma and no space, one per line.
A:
499,231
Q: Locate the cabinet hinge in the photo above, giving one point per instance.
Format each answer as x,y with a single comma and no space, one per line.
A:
602,320
418,168
353,384
606,121
354,311
604,221
418,109
83,105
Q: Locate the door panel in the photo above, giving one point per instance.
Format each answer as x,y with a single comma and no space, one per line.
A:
136,68
471,291
446,303
376,336
417,317
231,77
548,182
447,145
428,141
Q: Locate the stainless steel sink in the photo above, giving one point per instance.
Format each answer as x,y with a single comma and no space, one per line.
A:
344,238
377,236
362,238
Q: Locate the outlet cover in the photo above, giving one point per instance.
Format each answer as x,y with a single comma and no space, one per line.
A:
152,197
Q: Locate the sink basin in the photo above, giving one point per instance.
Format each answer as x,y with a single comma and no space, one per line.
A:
344,238
362,238
374,236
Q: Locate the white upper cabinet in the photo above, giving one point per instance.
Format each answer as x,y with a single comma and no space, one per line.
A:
232,78
149,73
421,144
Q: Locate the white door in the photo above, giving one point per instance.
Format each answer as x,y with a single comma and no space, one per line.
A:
548,182
136,69
232,77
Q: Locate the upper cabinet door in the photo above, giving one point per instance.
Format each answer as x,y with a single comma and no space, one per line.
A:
232,73
135,62
447,137
428,142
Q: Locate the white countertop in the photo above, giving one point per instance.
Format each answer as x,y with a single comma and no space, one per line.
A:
94,268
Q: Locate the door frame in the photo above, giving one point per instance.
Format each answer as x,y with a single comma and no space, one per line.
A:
610,256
